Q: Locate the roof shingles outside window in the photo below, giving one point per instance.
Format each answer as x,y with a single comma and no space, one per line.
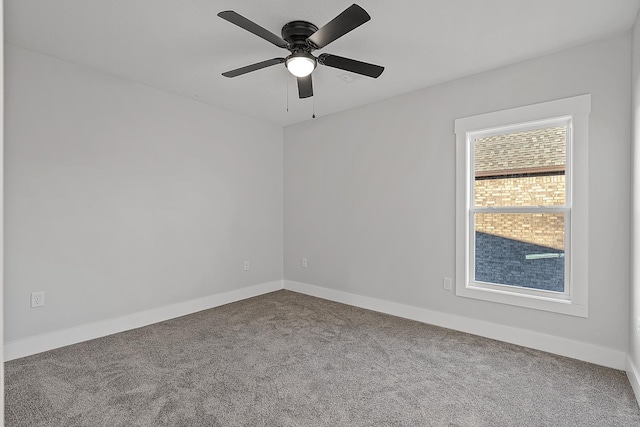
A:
536,151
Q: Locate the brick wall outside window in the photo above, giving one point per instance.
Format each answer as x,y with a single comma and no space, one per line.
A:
522,169
542,230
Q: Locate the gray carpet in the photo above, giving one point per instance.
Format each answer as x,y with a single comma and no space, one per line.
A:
285,359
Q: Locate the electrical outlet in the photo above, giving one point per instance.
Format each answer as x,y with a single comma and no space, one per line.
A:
447,284
246,266
37,299
304,263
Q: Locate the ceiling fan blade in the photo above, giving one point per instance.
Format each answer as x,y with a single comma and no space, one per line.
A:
305,87
253,67
351,65
252,27
350,19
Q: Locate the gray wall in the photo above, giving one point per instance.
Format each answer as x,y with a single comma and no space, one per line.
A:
370,192
634,340
122,198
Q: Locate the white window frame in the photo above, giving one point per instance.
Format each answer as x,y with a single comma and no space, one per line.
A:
575,112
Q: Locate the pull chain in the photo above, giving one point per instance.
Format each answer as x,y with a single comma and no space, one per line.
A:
287,84
313,116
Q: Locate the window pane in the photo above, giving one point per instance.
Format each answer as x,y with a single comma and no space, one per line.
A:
521,168
524,250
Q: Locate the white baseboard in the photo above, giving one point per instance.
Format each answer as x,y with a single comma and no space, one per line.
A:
61,338
552,344
557,345
634,377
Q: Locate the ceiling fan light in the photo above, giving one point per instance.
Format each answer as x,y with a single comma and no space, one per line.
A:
301,64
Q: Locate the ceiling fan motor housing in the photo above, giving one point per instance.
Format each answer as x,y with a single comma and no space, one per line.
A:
301,62
296,33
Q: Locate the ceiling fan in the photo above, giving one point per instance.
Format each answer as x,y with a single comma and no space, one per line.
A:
301,38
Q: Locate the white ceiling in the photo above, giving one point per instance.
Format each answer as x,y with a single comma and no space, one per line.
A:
181,46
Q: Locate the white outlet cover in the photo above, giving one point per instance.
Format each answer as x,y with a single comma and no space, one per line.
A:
37,299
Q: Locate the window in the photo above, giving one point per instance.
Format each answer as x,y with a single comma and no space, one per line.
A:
521,232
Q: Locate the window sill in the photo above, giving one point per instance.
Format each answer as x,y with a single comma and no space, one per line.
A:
554,305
